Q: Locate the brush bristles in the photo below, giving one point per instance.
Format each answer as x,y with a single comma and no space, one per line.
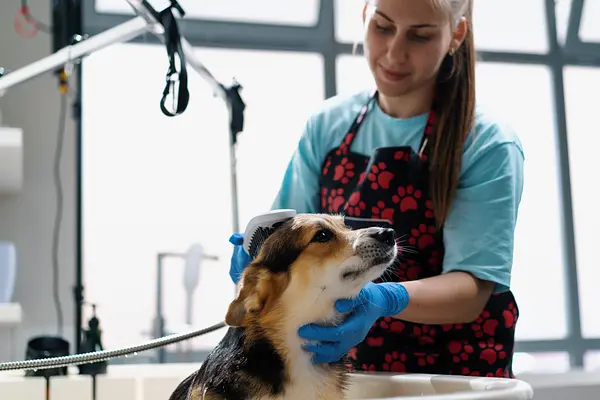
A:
258,238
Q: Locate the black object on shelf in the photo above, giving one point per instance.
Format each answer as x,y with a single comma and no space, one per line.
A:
91,342
46,347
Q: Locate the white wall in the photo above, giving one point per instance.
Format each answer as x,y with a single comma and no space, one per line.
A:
27,218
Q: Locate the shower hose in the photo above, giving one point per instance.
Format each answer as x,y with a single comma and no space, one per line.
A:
92,357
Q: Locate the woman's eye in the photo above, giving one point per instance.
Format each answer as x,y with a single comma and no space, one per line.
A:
322,236
383,29
420,38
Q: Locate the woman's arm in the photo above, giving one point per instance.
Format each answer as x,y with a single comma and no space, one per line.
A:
452,298
478,235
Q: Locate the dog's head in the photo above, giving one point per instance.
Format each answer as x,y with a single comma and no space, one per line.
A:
307,264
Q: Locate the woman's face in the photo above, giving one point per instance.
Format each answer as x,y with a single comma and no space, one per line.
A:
405,43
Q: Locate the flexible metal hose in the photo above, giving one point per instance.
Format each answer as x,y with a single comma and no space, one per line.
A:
88,358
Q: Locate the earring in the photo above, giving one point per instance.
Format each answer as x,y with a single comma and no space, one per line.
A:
451,51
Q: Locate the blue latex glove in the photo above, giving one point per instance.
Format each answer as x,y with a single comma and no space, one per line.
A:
239,259
375,300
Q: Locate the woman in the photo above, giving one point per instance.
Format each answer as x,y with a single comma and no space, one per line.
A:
447,177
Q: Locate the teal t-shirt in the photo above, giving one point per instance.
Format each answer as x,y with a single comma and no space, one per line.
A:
479,230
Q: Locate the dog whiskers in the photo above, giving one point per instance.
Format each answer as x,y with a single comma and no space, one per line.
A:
407,249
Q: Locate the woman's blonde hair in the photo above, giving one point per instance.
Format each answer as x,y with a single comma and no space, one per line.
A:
455,113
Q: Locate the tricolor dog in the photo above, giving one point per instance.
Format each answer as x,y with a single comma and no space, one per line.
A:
308,263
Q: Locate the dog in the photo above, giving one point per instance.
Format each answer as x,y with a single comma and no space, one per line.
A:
302,268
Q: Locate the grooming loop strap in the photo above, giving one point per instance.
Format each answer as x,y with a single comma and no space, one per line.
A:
174,74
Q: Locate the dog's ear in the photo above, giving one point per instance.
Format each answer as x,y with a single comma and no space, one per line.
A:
250,298
260,288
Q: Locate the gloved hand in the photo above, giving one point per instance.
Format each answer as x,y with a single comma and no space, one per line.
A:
374,301
239,259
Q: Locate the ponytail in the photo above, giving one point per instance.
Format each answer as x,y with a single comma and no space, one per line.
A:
455,116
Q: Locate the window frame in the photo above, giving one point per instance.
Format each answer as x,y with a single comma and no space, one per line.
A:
321,39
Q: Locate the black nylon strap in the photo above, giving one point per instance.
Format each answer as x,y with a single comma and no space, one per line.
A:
175,77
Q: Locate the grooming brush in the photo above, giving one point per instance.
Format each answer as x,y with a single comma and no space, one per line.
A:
261,227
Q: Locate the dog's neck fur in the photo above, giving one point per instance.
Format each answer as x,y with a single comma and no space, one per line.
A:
307,381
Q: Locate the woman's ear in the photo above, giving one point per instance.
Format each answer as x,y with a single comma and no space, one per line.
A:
364,12
459,34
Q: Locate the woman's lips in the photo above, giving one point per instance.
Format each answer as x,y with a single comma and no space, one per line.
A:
393,76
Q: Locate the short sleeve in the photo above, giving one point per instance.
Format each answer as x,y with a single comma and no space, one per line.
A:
479,231
300,184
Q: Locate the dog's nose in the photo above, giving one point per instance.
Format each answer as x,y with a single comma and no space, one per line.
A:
385,236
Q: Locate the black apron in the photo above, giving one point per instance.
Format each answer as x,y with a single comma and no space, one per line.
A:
392,185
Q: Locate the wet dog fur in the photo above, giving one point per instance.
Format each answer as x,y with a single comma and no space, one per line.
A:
307,264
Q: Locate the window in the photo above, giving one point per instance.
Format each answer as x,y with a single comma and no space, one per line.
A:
352,74
591,361
541,363
526,19
563,10
587,32
303,12
153,183
581,91
521,96
348,21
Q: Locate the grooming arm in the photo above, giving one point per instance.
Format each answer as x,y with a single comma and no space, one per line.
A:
146,21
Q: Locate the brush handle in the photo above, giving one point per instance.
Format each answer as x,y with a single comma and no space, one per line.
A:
266,220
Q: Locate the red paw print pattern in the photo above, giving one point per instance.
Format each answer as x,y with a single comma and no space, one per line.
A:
423,359
422,236
348,139
345,146
407,197
429,212
491,351
326,166
362,177
485,325
379,177
393,325
374,341
434,258
449,327
460,351
510,316
344,171
402,155
467,372
355,205
369,367
335,200
352,353
425,334
408,270
381,212
394,362
500,373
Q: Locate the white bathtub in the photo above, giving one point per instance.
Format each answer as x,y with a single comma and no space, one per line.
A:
156,382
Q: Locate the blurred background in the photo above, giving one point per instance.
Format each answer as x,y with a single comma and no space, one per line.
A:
139,188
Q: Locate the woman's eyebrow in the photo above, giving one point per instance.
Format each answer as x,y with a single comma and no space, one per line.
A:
412,26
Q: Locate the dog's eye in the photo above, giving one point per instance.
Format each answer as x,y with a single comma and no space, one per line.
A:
322,236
